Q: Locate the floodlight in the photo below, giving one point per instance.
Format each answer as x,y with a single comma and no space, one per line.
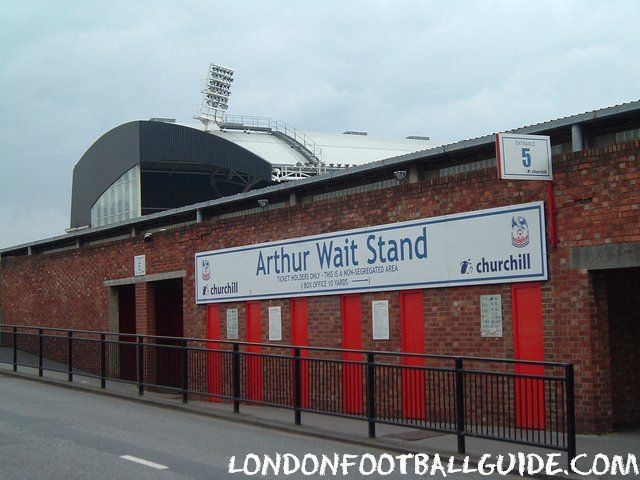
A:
400,175
215,95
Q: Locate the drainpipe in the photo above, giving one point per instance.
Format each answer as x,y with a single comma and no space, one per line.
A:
198,216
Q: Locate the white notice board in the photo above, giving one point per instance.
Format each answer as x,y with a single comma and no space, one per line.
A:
380,319
139,265
491,315
275,324
232,324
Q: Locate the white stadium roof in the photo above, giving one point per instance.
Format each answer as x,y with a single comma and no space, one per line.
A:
264,144
341,148
334,148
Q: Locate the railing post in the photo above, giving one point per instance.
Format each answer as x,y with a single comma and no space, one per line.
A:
571,413
140,365
103,360
70,356
185,372
459,380
371,395
15,349
40,351
235,373
297,397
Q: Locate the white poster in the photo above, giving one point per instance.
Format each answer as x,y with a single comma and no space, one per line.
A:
380,319
275,324
139,265
232,324
499,245
491,315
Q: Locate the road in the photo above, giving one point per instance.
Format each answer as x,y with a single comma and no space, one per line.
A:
57,433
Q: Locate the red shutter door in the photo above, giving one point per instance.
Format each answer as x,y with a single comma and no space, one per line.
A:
526,301
254,363
300,338
414,401
214,360
352,339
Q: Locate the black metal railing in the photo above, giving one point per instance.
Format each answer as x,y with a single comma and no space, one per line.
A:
523,402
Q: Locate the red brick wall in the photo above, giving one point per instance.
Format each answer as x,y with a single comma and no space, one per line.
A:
597,202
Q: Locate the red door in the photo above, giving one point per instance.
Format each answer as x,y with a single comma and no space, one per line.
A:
214,360
300,337
414,401
526,301
254,363
352,339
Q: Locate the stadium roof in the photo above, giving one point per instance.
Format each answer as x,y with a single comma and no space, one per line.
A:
613,114
336,148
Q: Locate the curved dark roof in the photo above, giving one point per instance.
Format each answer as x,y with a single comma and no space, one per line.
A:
153,143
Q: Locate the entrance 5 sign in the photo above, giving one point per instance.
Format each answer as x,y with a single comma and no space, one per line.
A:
499,245
523,157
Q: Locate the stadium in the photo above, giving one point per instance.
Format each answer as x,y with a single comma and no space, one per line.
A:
150,197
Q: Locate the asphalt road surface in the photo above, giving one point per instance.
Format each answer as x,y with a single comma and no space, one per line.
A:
49,432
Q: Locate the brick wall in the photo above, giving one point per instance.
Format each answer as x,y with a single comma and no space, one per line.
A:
597,202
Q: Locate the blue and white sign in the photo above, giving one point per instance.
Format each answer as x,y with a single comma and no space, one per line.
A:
524,157
499,245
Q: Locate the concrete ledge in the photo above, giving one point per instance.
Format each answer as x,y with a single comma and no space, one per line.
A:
155,277
602,257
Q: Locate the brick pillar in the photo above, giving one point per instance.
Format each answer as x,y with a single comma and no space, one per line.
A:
145,309
596,390
145,325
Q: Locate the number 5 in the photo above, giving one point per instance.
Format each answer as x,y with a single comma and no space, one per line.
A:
526,157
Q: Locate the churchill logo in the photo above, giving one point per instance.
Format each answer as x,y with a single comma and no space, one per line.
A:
206,270
519,232
466,266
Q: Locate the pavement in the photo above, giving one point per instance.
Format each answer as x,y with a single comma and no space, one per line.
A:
337,429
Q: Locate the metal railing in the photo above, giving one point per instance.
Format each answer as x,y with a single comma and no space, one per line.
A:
522,402
308,147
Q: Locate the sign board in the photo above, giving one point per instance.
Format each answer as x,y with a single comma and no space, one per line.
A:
523,157
380,317
491,315
139,265
275,324
499,245
232,324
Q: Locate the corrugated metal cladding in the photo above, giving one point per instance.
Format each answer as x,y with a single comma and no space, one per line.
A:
169,142
147,142
106,160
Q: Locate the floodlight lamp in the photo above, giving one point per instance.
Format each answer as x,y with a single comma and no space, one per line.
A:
215,95
400,175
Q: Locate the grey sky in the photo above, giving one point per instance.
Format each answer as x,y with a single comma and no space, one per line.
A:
72,70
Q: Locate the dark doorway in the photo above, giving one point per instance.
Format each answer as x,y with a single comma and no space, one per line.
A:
168,323
623,306
127,324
